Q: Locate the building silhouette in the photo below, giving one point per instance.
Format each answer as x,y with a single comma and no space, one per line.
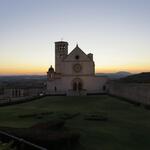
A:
74,72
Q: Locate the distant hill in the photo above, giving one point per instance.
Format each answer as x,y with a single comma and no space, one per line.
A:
116,75
143,77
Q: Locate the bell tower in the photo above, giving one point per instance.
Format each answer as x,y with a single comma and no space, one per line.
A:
61,51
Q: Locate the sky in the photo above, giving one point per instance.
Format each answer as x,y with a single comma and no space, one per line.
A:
117,32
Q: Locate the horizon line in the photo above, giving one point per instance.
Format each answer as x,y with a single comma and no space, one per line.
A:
1,75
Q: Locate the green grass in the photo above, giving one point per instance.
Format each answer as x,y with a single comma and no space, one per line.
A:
127,128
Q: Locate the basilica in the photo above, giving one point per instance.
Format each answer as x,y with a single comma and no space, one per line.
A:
74,73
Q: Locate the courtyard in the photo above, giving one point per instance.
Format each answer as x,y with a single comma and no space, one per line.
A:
104,122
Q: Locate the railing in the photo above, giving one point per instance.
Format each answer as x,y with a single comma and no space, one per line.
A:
19,143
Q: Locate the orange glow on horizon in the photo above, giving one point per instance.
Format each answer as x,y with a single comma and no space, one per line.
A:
42,70
24,71
131,69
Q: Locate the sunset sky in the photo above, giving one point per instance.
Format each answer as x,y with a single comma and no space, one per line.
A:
117,32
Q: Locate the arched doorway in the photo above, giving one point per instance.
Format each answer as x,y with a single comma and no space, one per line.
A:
74,86
77,84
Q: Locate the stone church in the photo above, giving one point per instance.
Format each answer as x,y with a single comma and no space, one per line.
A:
74,73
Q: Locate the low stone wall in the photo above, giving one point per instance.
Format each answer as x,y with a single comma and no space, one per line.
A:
17,100
76,93
136,92
14,93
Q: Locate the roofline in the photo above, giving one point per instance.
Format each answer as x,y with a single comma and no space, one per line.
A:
80,50
61,42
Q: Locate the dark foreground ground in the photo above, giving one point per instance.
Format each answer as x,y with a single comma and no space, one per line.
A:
124,127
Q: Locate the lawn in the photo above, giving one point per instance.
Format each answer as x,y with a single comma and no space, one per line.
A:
127,127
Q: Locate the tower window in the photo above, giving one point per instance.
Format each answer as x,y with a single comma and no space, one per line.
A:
77,57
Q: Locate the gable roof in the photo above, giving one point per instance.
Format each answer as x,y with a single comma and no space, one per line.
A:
77,51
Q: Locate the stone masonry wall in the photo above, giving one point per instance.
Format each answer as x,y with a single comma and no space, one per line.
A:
137,92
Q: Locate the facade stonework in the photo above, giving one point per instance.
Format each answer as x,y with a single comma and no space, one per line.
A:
74,73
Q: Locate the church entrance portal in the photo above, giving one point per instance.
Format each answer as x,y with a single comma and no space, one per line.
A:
77,84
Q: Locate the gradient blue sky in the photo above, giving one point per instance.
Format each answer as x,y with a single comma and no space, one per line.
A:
117,32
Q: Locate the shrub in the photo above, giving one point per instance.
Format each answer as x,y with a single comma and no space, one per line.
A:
96,117
6,146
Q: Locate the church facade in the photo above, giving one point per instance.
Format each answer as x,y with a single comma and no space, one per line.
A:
74,73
